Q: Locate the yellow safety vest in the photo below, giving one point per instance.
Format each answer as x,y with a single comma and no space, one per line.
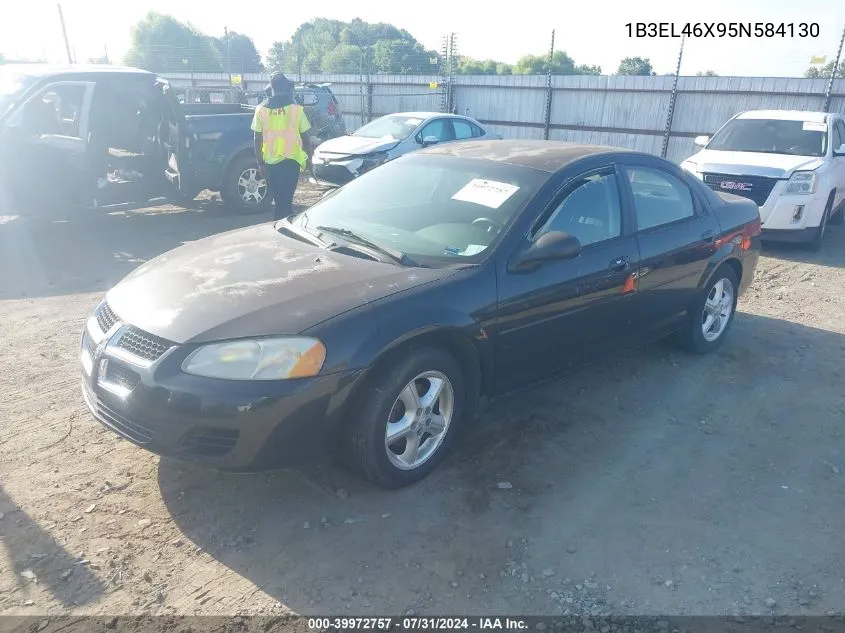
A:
281,130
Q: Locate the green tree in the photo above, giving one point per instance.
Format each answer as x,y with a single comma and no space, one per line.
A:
161,43
343,59
635,66
824,71
705,73
243,55
562,64
326,45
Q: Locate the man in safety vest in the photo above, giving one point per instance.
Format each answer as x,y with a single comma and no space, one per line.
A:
280,127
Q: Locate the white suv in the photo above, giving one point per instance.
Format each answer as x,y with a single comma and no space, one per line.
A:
791,163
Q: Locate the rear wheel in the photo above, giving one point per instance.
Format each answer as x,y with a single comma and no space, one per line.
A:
712,313
406,418
244,188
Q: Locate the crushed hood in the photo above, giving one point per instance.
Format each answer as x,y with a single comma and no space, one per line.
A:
356,145
752,163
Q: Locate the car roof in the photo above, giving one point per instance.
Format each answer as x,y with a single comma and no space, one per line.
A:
49,70
785,115
549,156
426,115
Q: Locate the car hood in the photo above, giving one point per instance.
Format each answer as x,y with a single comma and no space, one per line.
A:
356,145
252,282
752,163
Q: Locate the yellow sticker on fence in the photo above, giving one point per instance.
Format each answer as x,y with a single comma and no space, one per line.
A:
818,59
432,85
236,80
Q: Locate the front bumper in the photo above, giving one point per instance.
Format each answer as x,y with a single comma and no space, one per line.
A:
227,425
339,171
799,214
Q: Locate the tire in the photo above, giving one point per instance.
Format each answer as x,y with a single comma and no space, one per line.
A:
236,196
839,216
818,238
692,336
381,406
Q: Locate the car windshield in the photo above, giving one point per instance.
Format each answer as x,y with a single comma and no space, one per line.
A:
772,136
394,126
434,209
12,86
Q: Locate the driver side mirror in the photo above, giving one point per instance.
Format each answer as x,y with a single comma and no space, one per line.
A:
701,141
428,140
551,246
840,151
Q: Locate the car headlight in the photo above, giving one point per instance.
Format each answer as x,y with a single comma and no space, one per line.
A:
258,359
801,182
690,167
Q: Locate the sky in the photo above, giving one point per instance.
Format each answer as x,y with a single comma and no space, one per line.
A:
31,29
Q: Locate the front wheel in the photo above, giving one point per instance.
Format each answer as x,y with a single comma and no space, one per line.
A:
244,188
405,418
712,313
818,238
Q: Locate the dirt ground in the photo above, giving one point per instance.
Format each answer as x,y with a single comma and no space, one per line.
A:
651,483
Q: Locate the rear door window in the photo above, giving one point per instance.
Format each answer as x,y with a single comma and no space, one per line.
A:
463,129
659,197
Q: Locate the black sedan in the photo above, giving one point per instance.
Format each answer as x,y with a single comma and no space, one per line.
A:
385,317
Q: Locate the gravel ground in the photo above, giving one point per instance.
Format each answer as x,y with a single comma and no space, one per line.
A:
653,483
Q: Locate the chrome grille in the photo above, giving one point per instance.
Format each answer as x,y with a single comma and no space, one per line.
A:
756,188
106,317
143,345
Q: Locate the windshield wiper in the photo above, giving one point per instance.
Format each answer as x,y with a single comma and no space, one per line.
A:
397,256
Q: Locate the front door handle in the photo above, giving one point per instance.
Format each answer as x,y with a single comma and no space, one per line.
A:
708,236
619,264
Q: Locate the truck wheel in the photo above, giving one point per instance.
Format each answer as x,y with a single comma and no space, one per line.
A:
244,188
818,238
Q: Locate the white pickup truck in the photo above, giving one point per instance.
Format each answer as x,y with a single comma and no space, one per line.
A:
791,163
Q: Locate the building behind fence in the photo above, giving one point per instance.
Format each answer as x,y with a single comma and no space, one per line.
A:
624,111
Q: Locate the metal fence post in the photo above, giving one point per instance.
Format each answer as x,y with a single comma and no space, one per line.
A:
548,111
829,91
369,89
672,99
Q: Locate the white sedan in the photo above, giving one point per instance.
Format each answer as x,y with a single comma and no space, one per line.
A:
342,159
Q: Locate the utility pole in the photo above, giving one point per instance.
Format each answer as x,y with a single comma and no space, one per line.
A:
829,91
228,54
547,125
64,33
672,100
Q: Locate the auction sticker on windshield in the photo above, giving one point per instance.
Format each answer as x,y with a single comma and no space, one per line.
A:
488,193
814,126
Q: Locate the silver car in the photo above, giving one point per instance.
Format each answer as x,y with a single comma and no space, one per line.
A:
341,159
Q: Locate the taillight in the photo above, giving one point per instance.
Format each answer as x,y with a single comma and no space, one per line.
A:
749,231
332,108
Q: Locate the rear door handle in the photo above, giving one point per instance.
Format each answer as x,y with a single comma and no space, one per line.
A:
619,264
708,236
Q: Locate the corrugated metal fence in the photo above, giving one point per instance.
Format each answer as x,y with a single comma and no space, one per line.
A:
607,110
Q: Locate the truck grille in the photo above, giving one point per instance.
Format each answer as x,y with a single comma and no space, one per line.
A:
106,317
143,345
756,188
